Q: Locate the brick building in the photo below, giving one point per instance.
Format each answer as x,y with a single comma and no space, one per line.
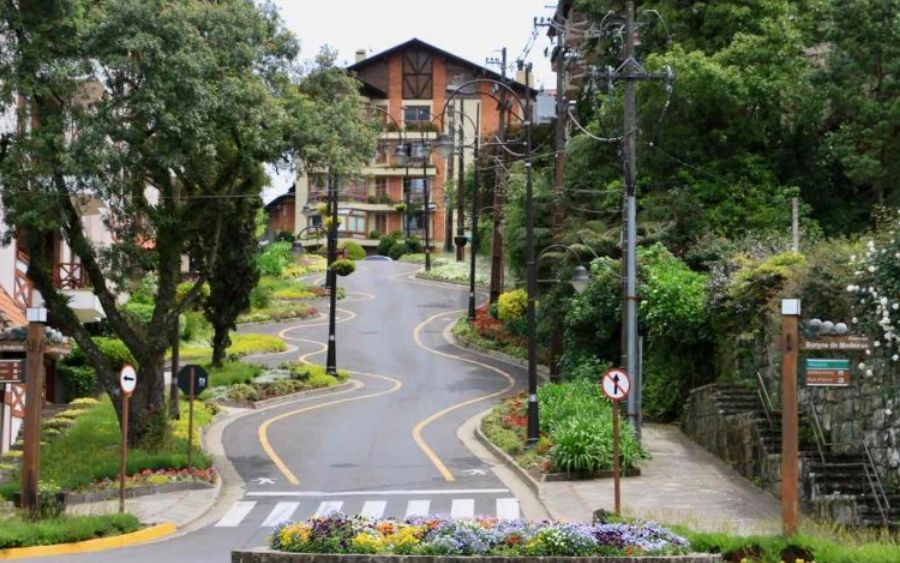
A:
410,84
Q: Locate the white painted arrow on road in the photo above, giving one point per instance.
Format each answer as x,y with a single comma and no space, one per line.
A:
264,481
473,472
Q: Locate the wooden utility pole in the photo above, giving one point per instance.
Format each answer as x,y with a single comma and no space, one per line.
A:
499,196
790,418
34,405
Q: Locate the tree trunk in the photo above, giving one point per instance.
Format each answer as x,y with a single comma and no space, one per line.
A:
148,416
221,341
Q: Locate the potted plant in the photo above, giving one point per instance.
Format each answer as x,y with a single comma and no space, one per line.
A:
400,207
343,267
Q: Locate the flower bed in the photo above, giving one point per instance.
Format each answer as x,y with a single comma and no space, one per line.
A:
439,535
151,477
576,432
270,383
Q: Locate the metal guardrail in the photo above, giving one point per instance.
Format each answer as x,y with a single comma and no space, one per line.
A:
872,477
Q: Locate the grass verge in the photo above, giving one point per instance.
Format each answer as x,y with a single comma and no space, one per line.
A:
89,450
16,532
241,345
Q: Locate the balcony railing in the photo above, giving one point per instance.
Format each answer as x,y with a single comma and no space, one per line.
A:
71,275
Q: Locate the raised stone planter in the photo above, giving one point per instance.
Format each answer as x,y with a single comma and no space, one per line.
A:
113,493
285,398
268,556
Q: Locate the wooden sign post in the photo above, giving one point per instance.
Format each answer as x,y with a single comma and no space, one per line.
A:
127,383
192,380
34,404
790,418
616,385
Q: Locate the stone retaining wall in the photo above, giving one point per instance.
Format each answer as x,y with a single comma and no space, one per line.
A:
267,556
734,439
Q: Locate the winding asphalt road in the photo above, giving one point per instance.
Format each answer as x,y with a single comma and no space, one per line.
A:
387,446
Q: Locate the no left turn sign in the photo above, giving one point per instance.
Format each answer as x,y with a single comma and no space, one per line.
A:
616,384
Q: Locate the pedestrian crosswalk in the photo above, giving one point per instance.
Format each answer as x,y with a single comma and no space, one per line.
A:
268,513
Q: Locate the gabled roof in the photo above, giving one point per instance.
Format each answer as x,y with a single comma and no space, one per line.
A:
416,43
369,90
289,195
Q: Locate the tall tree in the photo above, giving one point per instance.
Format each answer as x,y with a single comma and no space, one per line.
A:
234,273
131,102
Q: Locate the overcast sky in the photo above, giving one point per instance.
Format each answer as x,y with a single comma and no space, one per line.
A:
472,29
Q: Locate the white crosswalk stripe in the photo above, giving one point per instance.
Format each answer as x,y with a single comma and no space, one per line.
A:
282,512
328,507
462,508
507,508
236,514
417,508
374,508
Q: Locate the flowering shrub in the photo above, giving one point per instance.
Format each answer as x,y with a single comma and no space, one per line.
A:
441,535
877,292
511,306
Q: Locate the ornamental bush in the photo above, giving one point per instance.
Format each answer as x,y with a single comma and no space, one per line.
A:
355,251
397,250
512,305
274,259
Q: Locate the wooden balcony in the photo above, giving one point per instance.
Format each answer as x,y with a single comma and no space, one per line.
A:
70,275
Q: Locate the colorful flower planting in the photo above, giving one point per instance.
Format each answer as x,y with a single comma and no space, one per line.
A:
441,535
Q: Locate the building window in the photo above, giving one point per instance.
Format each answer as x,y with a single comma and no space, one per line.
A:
381,223
414,188
353,222
381,187
315,221
417,114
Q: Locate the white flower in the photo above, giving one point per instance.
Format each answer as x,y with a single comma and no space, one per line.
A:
861,365
854,320
868,351
895,357
851,288
895,306
869,372
877,344
871,269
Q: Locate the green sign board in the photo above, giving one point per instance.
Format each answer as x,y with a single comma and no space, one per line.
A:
817,364
827,372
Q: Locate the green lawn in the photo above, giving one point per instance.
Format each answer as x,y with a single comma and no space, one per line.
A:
16,532
89,450
241,345
818,544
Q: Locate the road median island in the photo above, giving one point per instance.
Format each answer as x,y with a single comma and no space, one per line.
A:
268,556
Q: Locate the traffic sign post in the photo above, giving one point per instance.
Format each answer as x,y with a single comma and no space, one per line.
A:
192,380
127,383
616,385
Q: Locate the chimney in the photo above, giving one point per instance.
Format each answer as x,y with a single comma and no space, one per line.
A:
360,55
520,78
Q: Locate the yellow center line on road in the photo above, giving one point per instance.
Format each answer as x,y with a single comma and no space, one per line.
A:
263,431
417,431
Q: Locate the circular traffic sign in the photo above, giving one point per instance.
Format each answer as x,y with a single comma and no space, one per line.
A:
615,384
127,379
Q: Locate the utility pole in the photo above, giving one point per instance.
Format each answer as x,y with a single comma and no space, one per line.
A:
631,71
34,404
559,177
795,224
499,196
531,275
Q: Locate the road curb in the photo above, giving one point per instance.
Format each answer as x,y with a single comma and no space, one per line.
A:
508,461
463,344
145,535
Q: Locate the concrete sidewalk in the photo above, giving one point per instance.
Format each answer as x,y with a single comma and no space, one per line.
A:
179,508
681,484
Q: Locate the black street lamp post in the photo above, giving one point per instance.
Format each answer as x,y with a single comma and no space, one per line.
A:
331,364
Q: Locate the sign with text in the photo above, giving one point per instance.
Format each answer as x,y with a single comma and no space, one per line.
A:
827,372
836,343
12,370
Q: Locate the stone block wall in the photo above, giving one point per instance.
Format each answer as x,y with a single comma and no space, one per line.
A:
866,411
735,438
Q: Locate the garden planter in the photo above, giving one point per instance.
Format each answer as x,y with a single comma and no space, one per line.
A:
586,476
268,556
